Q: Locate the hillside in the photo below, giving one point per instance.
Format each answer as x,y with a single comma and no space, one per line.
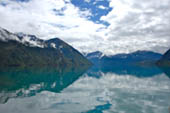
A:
28,50
165,60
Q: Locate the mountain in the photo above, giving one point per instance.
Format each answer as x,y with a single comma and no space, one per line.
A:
27,50
138,57
95,57
164,63
165,60
96,54
139,63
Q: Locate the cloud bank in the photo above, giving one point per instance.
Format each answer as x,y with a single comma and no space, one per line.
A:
132,25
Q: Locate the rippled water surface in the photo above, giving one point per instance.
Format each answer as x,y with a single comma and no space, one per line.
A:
81,91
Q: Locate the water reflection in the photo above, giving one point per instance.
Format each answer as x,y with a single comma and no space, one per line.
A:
16,82
112,92
99,90
133,70
166,70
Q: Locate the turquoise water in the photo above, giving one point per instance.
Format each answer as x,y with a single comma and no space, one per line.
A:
96,90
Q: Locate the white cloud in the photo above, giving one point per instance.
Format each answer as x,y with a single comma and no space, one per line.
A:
102,7
38,18
138,24
134,25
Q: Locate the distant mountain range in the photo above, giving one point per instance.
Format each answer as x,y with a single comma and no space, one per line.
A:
135,58
139,63
27,50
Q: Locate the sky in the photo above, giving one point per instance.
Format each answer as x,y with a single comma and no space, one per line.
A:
110,26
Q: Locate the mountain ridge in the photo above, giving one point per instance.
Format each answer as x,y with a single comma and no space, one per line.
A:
124,58
28,50
164,61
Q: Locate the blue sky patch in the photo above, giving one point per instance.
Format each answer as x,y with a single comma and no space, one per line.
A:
98,8
93,6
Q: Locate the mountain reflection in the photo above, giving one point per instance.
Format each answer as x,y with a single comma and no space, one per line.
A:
112,89
166,70
27,82
132,70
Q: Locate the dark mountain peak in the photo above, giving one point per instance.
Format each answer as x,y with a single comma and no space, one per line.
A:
166,55
24,50
165,60
56,39
96,54
58,44
144,52
55,42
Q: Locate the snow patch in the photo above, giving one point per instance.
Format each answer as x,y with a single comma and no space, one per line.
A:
32,43
28,40
53,45
5,35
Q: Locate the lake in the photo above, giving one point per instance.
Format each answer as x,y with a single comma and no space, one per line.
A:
96,90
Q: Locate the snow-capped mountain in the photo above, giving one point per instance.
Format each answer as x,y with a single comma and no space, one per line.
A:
6,35
122,59
96,54
22,49
28,40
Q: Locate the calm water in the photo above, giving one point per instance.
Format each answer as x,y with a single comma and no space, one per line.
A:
97,90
